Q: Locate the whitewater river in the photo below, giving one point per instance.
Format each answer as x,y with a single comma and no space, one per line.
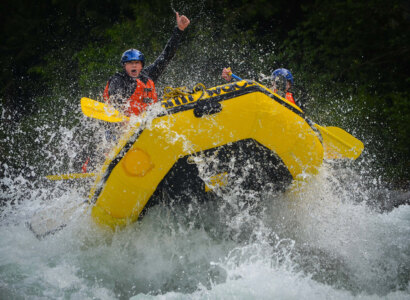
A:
328,238
318,243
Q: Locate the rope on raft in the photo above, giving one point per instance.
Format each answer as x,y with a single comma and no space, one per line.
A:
170,92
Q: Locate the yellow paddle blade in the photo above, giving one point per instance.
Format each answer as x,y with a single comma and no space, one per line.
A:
340,144
70,176
101,111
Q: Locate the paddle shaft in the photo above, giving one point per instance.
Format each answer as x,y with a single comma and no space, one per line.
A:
236,77
70,176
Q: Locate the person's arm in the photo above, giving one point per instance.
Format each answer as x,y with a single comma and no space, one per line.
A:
115,86
118,93
155,70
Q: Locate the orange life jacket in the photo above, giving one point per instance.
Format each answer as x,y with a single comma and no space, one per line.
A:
143,96
289,96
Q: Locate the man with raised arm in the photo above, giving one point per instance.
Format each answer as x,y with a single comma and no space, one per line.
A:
133,89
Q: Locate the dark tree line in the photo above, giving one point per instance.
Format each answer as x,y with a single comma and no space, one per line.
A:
350,57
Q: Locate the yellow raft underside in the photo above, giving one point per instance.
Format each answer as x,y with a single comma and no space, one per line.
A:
255,115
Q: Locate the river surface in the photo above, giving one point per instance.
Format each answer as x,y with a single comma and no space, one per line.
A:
326,238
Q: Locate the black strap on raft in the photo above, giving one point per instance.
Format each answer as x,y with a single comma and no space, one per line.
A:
205,107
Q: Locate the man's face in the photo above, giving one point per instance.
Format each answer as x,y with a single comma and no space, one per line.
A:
133,68
280,84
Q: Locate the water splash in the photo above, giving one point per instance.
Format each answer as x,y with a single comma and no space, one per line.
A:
322,239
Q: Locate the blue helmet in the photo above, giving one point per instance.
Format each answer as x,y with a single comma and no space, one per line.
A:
131,55
283,73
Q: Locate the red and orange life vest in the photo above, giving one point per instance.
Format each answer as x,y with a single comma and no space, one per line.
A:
288,96
143,96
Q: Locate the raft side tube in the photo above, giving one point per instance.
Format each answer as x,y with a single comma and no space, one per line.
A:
250,112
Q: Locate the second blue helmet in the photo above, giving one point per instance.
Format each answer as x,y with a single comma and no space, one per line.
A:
283,73
132,55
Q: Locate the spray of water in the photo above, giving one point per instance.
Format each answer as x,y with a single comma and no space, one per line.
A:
319,239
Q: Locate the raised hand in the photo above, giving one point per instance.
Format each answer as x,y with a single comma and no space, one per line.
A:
182,22
227,74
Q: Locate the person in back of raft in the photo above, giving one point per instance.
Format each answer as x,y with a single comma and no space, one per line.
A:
133,89
282,82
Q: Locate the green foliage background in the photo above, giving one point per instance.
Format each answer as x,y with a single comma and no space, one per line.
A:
350,57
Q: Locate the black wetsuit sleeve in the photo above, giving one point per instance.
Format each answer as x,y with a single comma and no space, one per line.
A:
155,70
116,86
120,88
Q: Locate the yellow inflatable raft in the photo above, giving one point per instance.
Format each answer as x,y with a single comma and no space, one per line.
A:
228,126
